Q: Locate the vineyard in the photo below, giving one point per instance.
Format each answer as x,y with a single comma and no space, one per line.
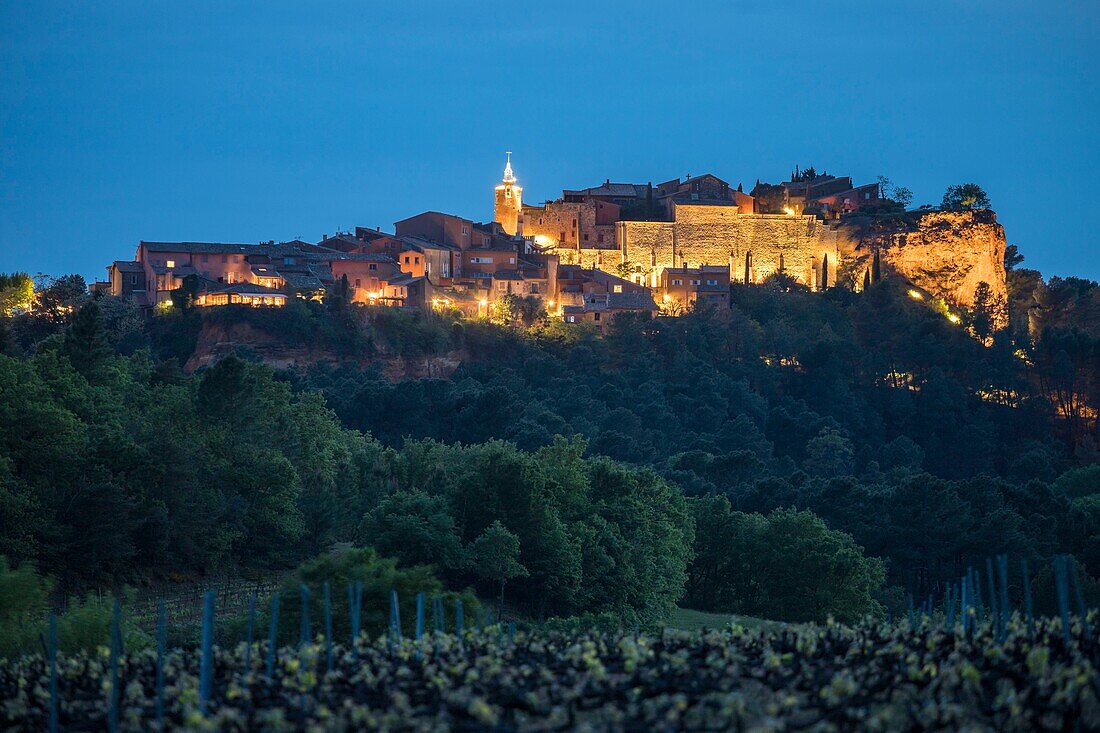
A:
923,673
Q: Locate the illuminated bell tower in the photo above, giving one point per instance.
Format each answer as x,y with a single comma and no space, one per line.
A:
509,201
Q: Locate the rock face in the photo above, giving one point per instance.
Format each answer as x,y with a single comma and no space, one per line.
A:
216,341
946,253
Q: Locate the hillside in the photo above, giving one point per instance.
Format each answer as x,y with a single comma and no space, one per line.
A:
785,432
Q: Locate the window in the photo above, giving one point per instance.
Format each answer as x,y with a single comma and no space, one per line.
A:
225,259
170,263
677,282
599,238
694,282
618,288
466,230
595,316
571,319
407,258
416,260
867,195
511,260
372,267
481,260
712,282
586,236
357,284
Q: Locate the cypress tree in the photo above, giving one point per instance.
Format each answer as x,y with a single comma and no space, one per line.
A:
86,341
866,279
876,268
825,272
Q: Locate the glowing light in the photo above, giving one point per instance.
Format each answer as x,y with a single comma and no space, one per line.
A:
916,295
549,304
788,211
666,298
483,302
953,318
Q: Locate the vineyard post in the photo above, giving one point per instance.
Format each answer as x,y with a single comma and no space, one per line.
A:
1062,592
438,622
976,586
249,633
162,643
1006,609
354,598
1027,599
206,666
303,634
419,621
328,628
965,601
994,616
395,616
1078,596
273,637
116,652
51,658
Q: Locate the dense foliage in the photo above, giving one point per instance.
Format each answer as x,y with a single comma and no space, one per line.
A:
116,469
554,462
875,677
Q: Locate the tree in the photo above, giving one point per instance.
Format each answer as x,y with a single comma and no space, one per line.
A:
898,194
416,528
86,341
787,566
965,197
495,556
829,454
1012,257
16,292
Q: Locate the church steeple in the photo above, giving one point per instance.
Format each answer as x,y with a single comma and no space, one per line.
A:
508,211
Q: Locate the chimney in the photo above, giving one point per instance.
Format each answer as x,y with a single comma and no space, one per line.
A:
324,237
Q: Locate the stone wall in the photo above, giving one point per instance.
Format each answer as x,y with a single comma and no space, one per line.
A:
568,224
720,235
944,253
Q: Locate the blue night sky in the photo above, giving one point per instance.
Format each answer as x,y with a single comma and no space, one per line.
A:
243,122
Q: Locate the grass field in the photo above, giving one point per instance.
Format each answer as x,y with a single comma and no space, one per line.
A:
686,619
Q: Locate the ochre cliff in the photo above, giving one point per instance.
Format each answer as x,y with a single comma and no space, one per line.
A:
216,340
946,253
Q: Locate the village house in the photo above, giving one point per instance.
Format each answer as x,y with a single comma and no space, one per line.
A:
686,287
600,309
251,274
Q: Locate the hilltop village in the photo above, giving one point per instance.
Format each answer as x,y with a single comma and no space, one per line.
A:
596,252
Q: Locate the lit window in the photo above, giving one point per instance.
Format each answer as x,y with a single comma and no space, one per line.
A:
677,282
170,263
618,289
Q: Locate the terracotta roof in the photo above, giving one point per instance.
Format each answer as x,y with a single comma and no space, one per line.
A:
127,266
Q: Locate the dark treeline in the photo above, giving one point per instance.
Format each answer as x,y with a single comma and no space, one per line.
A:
758,460
871,410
